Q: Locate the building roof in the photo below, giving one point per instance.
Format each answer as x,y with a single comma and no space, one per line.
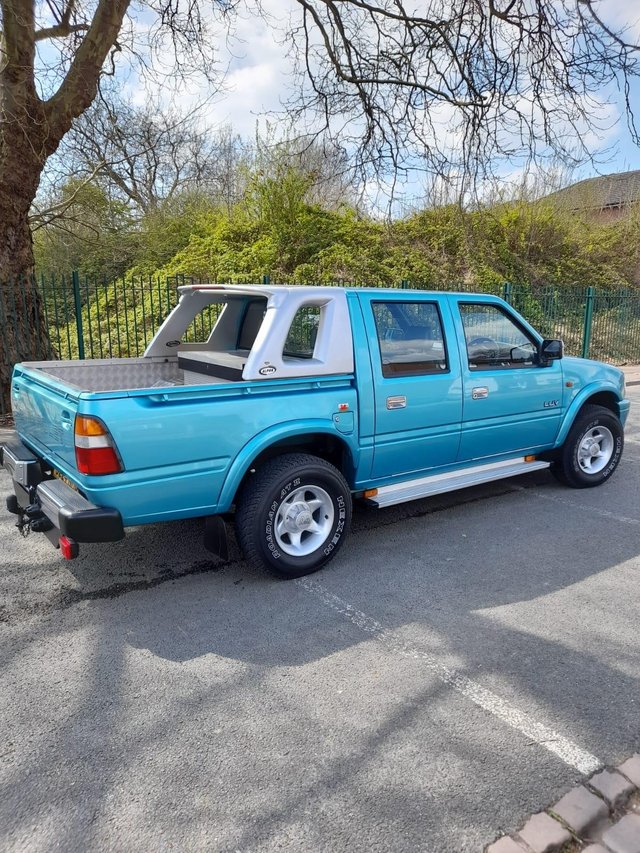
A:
607,191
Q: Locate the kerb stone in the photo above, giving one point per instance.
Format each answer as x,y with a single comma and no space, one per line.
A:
544,834
613,787
581,809
624,836
631,769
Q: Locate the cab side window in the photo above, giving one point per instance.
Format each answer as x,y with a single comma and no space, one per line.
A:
410,338
494,339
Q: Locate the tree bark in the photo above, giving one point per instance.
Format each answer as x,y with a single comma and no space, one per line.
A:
30,132
23,331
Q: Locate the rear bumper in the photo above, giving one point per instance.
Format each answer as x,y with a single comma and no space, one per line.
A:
77,517
67,511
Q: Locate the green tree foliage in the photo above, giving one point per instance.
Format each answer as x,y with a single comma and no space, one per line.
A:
276,231
279,228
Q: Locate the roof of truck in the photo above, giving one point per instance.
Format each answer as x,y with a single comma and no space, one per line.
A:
311,289
262,289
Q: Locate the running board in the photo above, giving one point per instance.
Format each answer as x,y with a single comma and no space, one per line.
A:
438,484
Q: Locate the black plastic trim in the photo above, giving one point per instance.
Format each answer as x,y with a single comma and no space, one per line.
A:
101,524
219,371
22,464
77,517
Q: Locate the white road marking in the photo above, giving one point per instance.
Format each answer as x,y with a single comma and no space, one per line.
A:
566,750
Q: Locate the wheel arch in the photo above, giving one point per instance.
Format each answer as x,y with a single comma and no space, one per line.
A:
318,439
606,397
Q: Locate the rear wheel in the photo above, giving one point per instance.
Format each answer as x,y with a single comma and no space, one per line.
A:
592,450
293,515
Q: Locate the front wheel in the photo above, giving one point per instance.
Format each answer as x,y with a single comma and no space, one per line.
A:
592,450
293,515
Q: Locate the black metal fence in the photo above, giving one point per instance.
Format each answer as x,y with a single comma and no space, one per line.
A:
89,317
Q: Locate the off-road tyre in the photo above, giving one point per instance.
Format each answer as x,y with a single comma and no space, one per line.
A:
267,496
591,422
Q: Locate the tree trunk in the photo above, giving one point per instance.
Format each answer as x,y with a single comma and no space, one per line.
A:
23,331
30,132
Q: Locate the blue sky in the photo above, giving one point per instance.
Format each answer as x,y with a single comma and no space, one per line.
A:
259,78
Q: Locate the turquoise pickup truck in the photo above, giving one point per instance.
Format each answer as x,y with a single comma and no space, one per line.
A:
277,406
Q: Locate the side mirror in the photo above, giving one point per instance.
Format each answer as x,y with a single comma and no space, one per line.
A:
550,350
523,354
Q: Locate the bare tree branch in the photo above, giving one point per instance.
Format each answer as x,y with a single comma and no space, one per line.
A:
148,154
60,31
42,217
459,87
81,81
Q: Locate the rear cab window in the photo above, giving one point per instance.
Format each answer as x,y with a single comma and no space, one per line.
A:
410,338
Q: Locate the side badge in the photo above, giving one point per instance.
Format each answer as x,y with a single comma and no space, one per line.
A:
173,343
267,371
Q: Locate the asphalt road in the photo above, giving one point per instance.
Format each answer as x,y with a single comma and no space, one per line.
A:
457,667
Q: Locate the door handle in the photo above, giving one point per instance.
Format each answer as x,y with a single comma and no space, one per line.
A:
399,402
479,393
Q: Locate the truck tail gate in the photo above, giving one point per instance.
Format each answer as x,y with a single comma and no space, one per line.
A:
45,418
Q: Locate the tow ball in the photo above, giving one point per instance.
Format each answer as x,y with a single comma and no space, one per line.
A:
33,519
30,518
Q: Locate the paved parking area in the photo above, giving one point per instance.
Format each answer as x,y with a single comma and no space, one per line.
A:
461,664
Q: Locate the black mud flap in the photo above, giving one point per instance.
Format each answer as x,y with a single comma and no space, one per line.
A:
215,536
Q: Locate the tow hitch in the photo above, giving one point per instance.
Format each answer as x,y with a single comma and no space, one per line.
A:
30,518
52,506
33,519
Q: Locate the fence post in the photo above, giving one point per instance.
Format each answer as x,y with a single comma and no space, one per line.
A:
266,279
588,320
507,291
75,279
404,284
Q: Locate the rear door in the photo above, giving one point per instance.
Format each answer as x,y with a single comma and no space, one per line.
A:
417,382
510,403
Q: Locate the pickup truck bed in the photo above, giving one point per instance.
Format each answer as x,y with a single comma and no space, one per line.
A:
121,374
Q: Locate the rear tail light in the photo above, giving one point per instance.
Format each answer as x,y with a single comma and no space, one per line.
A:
96,452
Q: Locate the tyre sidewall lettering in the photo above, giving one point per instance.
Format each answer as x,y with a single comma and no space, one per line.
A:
271,545
342,516
615,458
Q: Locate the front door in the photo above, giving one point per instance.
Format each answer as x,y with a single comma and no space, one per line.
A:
511,404
418,389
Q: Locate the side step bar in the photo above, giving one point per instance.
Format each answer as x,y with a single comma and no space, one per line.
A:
438,484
